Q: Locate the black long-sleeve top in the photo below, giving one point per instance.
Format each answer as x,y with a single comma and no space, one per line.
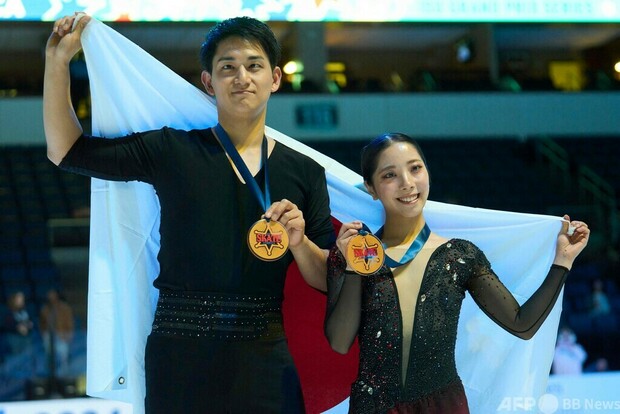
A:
206,211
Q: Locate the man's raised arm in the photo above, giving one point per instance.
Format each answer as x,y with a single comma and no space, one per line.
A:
61,124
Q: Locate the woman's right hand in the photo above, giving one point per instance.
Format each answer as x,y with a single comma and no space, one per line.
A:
65,40
347,230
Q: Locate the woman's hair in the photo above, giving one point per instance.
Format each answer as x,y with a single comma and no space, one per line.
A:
372,151
246,28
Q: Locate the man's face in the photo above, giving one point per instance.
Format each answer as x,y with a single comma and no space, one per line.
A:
242,79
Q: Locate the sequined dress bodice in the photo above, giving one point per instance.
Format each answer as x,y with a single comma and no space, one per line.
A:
453,268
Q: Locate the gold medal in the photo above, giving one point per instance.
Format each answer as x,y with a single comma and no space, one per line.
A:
268,240
365,254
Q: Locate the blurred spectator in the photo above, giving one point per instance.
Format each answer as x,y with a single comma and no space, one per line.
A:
17,324
598,365
57,328
599,301
569,355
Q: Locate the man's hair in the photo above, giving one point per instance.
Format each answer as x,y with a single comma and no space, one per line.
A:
246,28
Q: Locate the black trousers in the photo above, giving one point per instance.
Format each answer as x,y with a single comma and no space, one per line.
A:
210,376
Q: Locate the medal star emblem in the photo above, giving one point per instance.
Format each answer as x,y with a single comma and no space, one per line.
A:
365,254
268,240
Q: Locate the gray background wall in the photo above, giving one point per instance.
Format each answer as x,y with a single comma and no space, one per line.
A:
361,116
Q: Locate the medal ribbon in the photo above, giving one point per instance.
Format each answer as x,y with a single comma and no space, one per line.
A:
264,200
412,251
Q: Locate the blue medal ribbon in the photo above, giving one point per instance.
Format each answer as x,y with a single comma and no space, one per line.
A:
412,251
264,200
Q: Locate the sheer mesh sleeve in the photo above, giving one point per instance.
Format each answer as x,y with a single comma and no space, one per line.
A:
500,305
344,303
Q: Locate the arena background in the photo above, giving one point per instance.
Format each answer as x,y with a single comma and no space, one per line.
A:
515,102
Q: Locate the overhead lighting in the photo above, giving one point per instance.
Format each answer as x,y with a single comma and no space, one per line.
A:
335,67
567,75
292,67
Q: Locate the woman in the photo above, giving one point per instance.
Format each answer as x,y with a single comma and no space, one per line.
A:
406,314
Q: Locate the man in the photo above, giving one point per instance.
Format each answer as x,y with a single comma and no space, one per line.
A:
56,323
217,343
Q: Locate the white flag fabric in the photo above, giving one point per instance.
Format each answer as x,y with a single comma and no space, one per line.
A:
132,91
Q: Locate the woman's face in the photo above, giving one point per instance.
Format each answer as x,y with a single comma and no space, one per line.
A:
400,181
